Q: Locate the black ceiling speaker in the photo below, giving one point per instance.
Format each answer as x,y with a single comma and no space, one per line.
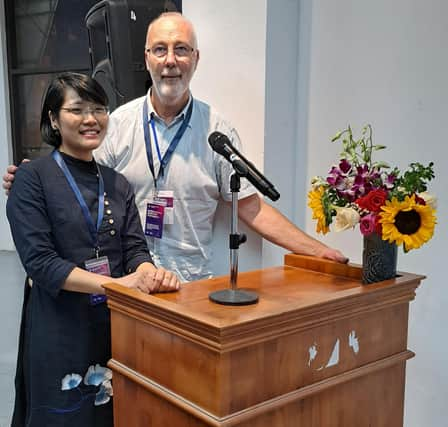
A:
117,34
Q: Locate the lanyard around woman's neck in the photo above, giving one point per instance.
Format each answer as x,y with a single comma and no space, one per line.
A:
85,210
172,146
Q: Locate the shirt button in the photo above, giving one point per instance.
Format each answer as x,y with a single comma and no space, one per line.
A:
108,211
111,221
112,232
106,202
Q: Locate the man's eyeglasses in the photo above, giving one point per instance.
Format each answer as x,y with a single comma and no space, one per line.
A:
180,51
98,112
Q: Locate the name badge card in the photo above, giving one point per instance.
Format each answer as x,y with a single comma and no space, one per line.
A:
98,266
166,199
154,220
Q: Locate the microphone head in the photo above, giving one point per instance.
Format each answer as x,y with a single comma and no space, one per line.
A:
221,144
217,141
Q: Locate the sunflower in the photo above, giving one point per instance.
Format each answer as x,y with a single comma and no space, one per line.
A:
316,201
407,222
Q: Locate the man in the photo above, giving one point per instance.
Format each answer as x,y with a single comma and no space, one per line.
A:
159,142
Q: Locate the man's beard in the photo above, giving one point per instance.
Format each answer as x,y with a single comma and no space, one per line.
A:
170,90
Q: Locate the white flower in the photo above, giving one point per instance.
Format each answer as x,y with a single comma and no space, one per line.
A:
97,374
345,218
429,199
70,381
104,393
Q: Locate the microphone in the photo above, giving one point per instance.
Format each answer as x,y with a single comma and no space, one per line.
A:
222,145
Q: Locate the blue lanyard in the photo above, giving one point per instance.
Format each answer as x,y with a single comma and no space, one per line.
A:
85,210
156,141
173,144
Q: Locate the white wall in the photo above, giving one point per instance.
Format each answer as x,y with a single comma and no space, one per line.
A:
386,63
284,160
5,135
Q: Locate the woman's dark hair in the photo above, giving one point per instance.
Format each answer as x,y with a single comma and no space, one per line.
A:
87,88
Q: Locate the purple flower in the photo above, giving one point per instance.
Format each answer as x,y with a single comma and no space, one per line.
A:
340,179
348,194
363,171
366,180
345,166
362,180
389,181
335,177
338,175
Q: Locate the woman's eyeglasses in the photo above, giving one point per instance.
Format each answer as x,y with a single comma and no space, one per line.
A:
98,112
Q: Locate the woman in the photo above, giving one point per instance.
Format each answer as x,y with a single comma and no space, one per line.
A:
73,223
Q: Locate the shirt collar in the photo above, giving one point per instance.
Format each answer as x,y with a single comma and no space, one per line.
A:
180,116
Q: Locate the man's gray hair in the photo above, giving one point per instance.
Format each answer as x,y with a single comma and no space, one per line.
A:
168,15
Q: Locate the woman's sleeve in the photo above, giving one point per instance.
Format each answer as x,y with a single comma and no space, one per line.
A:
135,248
31,230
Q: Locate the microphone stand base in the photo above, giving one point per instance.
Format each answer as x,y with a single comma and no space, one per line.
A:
233,297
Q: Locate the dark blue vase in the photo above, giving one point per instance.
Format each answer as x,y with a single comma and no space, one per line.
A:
379,259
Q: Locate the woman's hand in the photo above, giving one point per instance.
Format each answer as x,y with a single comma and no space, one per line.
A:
150,279
159,279
141,280
165,281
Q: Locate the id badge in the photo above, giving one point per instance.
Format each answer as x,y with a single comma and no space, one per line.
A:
154,220
166,199
98,266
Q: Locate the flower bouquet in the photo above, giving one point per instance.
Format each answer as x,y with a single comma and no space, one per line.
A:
387,203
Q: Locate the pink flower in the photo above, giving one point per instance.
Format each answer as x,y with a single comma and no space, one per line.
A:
368,224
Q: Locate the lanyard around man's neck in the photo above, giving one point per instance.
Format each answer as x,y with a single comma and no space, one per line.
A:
172,146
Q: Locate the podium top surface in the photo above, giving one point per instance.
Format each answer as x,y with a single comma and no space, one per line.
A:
305,289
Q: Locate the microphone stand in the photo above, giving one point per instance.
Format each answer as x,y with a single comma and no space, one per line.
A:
235,296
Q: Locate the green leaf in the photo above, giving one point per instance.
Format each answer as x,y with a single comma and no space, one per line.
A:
336,137
381,165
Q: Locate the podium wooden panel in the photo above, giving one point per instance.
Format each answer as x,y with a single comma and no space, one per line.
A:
318,350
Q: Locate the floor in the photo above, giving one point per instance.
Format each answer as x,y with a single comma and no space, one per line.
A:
10,307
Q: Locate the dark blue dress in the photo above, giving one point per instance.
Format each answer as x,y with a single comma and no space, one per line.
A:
62,332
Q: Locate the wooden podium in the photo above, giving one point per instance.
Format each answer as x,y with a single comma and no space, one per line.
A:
318,350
